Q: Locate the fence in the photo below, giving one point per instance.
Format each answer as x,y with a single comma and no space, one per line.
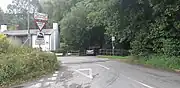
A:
117,52
76,53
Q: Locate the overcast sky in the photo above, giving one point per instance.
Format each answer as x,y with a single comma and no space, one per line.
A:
4,4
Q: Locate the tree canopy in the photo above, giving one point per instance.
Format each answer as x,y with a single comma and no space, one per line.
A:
142,26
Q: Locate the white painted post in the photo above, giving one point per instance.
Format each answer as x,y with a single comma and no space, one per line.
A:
55,28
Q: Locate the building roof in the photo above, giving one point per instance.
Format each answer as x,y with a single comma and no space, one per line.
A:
25,32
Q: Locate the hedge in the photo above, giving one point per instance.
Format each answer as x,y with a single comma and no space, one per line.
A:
22,64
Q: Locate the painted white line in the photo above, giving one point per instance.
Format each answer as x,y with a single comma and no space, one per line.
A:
88,76
145,85
41,80
103,66
55,75
62,74
56,72
48,83
53,78
37,85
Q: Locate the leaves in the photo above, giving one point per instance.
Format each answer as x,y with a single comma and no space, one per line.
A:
145,26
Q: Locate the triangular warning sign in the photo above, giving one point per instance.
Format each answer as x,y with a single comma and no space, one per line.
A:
40,25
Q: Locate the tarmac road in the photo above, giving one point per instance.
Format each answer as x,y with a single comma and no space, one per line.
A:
92,72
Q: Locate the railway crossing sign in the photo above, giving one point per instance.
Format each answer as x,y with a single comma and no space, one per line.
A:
40,39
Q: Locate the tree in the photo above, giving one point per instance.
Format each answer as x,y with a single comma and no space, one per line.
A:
17,12
2,19
143,26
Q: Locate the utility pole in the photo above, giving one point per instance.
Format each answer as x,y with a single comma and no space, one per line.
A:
28,14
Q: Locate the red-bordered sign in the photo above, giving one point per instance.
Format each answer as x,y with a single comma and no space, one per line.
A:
41,16
41,20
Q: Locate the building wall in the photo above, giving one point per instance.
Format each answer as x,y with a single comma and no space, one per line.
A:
45,47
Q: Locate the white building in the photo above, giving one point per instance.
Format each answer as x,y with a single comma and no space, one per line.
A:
51,37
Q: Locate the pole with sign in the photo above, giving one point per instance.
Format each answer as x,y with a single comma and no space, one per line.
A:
41,20
113,39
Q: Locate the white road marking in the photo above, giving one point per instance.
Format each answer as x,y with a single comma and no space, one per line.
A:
88,76
37,85
62,74
55,75
41,80
56,72
53,78
145,85
103,66
48,83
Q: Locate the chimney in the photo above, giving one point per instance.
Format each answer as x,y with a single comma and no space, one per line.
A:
3,28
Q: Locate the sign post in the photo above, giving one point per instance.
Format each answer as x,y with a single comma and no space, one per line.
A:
41,20
113,39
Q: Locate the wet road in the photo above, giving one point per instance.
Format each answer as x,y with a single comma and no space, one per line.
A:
92,72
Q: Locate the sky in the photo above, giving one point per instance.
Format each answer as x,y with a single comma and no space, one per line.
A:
4,4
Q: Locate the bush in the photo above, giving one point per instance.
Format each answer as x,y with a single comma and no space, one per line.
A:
4,44
21,64
25,66
161,61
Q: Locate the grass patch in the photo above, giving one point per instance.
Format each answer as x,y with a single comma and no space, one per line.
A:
154,61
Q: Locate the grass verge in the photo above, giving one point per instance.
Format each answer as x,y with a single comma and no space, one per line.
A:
153,61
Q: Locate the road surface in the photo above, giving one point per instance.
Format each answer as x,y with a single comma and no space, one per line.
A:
92,72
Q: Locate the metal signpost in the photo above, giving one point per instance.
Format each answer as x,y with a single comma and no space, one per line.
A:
41,20
113,39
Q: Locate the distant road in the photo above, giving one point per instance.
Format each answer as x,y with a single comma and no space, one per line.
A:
92,72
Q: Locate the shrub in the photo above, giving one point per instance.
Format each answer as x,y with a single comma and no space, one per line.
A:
25,66
4,44
20,64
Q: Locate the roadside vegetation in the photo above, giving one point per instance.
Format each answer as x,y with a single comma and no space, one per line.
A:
154,61
149,29
18,65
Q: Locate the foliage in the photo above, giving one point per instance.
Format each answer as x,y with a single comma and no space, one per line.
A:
17,13
155,60
2,19
144,26
4,44
22,64
161,61
161,33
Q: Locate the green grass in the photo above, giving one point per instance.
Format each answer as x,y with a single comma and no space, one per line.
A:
114,57
169,63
